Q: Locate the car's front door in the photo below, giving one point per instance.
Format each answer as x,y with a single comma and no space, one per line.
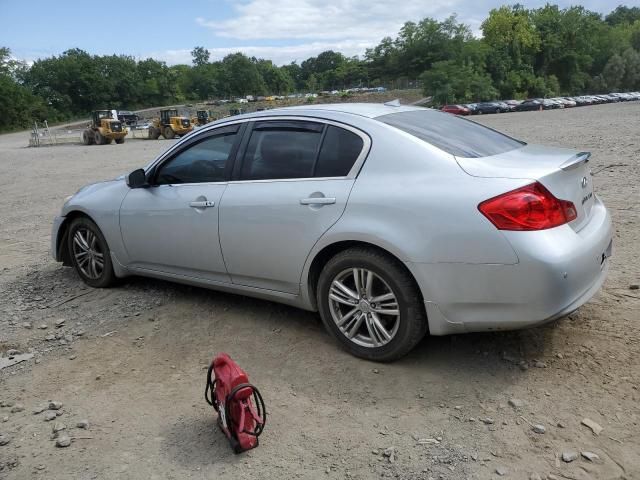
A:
172,226
291,186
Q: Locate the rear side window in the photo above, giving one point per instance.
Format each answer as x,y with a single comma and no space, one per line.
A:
454,135
279,150
299,149
339,152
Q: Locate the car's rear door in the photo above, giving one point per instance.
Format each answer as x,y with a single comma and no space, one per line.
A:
291,186
172,226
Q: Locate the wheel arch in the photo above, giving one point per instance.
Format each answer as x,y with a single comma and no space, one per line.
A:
327,252
61,241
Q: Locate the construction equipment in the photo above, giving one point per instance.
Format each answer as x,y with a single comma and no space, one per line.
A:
241,410
169,125
202,118
103,129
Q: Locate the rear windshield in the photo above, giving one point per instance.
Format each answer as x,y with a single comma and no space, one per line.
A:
454,135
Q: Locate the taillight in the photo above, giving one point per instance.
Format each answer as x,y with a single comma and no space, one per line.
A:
531,207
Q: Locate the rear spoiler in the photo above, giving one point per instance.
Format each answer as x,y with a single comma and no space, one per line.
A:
576,160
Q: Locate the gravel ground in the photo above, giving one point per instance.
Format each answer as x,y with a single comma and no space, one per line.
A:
131,361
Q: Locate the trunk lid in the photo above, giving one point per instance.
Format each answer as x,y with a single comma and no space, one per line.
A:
564,172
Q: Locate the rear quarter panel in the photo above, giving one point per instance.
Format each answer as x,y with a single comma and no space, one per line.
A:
415,201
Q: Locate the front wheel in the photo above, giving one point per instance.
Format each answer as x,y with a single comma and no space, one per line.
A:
169,133
370,303
120,141
89,253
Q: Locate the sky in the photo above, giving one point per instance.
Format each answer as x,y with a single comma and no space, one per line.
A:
280,30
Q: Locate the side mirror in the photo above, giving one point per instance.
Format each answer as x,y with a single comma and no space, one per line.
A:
137,179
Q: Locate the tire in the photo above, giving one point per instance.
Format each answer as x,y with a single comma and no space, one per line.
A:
97,136
84,236
120,141
87,138
107,141
404,329
168,133
498,110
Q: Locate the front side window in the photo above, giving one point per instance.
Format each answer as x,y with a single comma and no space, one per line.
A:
203,162
456,136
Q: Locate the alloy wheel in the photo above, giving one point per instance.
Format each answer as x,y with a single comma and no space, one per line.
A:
364,307
87,253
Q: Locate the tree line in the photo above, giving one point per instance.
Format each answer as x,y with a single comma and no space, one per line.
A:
522,53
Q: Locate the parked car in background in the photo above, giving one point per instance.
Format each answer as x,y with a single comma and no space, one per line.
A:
456,109
311,213
492,107
530,105
549,104
565,102
512,104
473,108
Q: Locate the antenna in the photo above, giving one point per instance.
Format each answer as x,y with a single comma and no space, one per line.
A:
393,103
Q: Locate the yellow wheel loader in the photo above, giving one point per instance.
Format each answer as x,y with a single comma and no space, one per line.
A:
202,118
169,125
103,129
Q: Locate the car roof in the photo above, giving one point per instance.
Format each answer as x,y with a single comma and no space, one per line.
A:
370,110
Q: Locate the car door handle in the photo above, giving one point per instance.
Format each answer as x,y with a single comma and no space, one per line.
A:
202,204
317,201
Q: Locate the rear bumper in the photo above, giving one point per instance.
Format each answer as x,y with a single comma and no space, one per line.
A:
558,271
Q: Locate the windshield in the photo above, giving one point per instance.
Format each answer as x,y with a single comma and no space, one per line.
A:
454,135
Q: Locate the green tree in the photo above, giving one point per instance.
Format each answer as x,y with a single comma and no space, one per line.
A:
276,80
312,83
200,56
623,14
295,73
449,82
613,72
241,76
631,61
19,106
513,43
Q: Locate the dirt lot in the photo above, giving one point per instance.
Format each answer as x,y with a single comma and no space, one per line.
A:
131,360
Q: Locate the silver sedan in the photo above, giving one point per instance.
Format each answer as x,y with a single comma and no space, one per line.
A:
391,221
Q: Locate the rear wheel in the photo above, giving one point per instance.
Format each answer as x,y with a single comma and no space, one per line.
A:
89,253
87,137
371,304
168,133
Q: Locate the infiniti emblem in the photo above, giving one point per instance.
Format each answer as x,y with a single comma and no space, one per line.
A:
584,182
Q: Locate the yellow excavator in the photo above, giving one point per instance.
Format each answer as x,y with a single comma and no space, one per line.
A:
103,129
169,125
